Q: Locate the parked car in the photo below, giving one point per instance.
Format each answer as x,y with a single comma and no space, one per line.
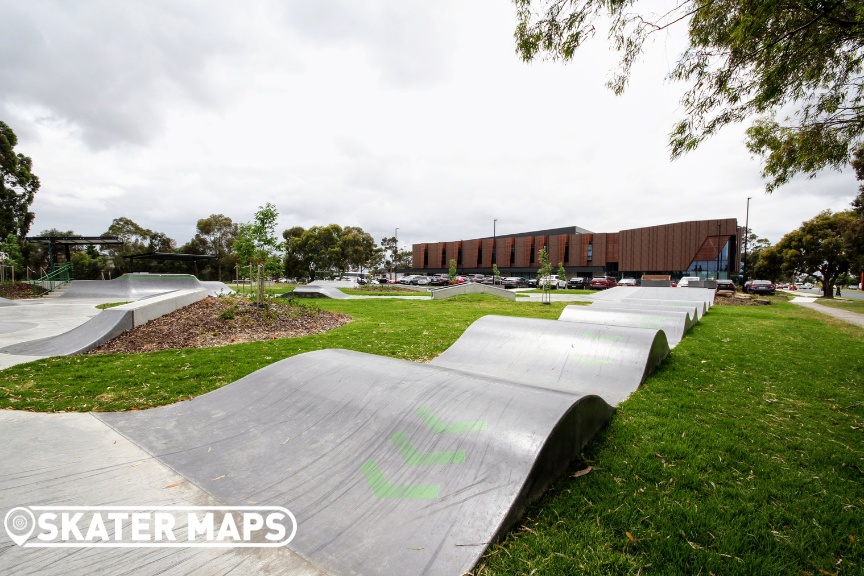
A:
603,282
553,282
685,281
419,281
725,285
459,280
627,282
531,282
513,282
577,283
439,280
761,287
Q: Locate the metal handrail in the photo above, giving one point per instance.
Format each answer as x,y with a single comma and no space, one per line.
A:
48,283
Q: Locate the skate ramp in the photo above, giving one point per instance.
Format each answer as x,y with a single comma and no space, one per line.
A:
107,325
138,286
691,311
701,297
673,324
472,288
321,290
609,361
7,302
391,467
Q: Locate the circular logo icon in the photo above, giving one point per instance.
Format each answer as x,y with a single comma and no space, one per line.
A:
20,523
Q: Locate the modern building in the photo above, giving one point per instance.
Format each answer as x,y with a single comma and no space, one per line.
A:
698,248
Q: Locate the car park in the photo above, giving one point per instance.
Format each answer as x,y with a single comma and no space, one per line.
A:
577,282
761,287
603,282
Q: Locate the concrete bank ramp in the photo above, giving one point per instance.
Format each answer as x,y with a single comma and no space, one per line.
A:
137,286
673,324
580,358
7,302
107,325
320,289
472,288
391,467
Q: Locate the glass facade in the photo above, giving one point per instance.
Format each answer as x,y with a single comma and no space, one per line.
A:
712,260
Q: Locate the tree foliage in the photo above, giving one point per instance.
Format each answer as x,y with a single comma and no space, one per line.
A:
794,67
214,236
18,186
256,242
328,249
821,245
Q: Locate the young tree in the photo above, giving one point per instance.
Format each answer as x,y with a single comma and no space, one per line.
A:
12,255
562,273
18,186
452,271
256,241
744,60
496,275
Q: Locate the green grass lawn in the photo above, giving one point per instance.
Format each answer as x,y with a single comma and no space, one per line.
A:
743,454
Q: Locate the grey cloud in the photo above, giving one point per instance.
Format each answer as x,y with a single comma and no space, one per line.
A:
108,67
406,39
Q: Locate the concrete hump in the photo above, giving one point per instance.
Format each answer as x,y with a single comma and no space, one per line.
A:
7,302
391,467
472,288
690,311
659,296
101,328
673,324
581,358
318,290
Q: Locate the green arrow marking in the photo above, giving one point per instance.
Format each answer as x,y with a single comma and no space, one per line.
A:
416,458
383,489
438,426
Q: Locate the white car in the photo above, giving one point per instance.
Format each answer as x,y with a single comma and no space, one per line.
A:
552,281
627,282
685,281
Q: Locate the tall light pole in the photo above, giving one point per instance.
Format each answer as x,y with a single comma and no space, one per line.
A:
395,253
746,234
494,251
717,274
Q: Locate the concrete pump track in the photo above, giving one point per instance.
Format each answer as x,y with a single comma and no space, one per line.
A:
391,467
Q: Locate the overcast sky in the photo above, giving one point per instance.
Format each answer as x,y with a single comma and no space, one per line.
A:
380,114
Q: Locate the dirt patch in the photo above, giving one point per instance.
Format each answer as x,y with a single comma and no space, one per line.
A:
729,298
16,290
221,321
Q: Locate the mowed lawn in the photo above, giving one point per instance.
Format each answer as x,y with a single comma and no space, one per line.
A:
742,454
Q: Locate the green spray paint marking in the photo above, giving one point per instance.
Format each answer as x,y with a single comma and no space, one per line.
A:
588,336
438,426
651,322
416,458
384,489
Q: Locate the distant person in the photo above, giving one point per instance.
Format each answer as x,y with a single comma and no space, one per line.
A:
838,291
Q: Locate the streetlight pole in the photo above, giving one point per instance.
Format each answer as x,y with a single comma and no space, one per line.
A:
746,234
717,274
494,252
395,253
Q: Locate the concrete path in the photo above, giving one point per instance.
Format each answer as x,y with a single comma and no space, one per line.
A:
845,315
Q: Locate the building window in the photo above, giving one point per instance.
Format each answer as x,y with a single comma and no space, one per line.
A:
590,251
